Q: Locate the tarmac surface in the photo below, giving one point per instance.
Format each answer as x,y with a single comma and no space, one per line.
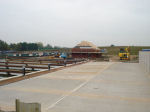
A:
90,87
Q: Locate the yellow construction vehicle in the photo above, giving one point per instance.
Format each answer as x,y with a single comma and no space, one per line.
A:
124,53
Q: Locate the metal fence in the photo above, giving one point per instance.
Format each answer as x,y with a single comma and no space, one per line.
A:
144,60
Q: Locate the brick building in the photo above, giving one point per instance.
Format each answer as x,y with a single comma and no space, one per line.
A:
86,49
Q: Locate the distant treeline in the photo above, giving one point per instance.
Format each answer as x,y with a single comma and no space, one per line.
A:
24,46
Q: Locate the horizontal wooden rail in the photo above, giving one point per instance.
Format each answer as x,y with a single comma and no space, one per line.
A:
20,66
27,64
14,71
42,60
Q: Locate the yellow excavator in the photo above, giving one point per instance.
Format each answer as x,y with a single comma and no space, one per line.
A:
124,53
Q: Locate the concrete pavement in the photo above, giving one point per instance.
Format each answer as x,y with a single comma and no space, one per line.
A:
94,86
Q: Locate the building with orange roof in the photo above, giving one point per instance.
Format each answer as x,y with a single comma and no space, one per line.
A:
86,49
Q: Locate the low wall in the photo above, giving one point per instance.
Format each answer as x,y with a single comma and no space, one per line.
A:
144,60
27,107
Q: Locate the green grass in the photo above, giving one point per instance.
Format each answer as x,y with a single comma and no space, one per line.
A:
134,50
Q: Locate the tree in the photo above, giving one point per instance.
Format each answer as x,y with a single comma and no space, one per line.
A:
18,47
57,47
32,46
24,46
40,45
3,46
13,46
112,45
48,46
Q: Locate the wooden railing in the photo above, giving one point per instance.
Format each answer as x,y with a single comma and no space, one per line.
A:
23,66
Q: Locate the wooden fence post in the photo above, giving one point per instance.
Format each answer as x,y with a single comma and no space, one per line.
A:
65,62
6,63
23,70
49,66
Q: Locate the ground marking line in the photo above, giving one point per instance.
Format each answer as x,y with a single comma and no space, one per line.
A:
64,96
78,87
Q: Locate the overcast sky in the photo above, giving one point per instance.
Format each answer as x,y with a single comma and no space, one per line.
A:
67,22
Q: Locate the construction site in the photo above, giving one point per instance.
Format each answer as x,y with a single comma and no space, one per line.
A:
84,79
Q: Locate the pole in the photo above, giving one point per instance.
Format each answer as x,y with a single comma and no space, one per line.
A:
49,67
65,62
24,70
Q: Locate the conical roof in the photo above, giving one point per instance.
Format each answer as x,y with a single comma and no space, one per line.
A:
87,44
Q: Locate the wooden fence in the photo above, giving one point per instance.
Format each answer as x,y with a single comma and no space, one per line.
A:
23,66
